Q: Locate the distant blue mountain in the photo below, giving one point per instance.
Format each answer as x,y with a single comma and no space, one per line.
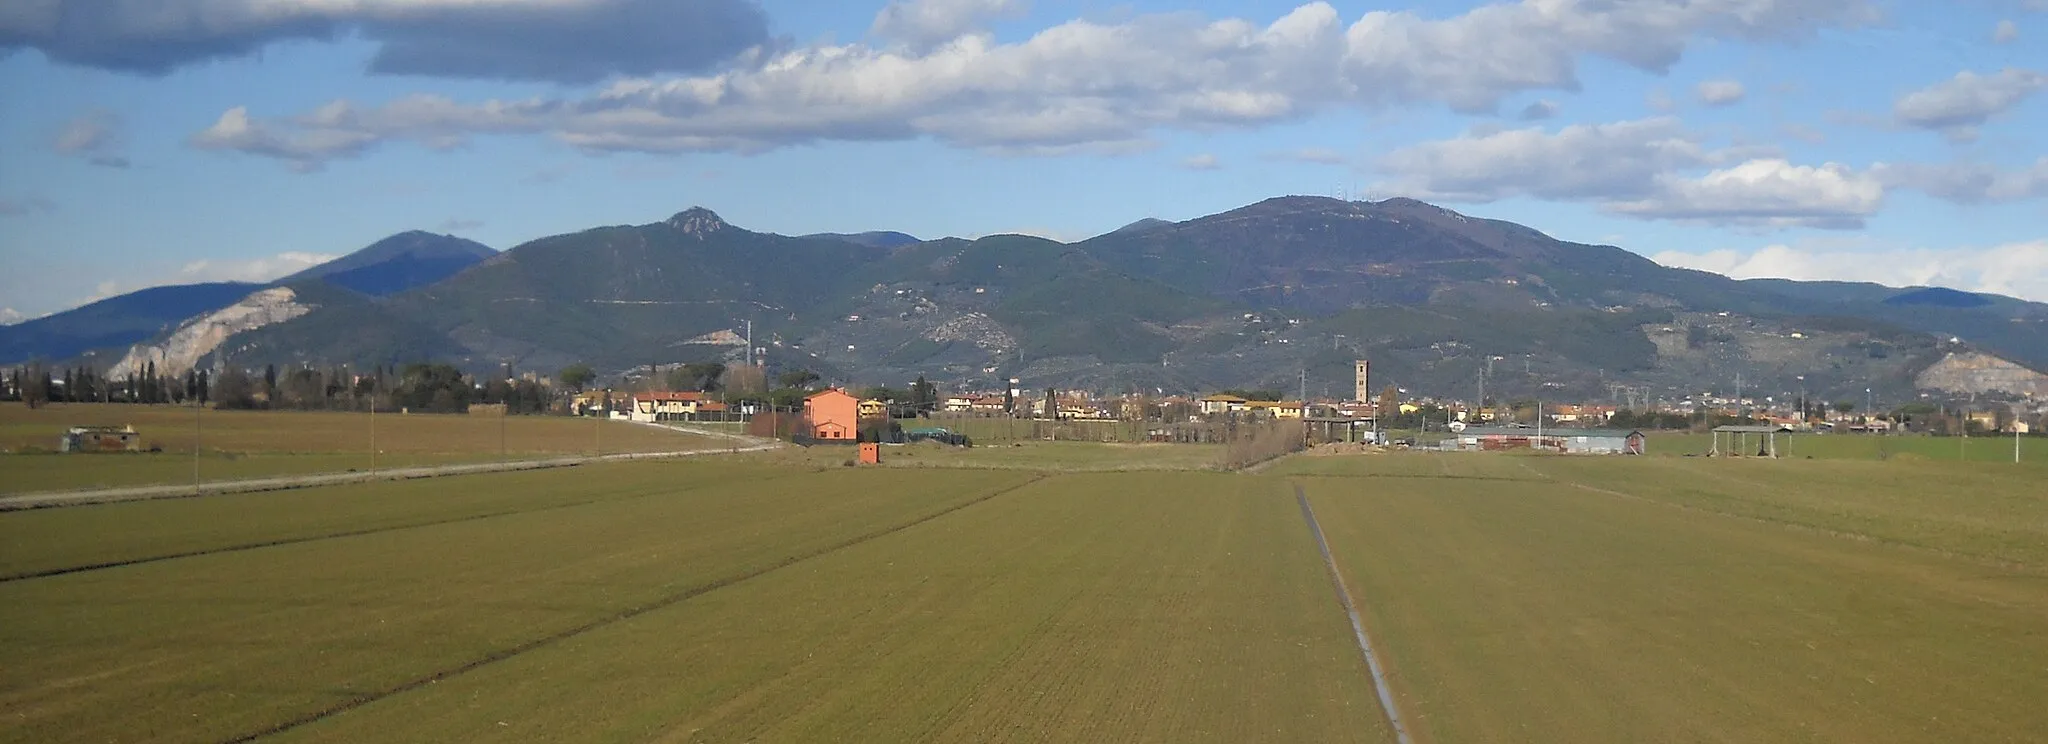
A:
1938,297
872,239
116,321
395,264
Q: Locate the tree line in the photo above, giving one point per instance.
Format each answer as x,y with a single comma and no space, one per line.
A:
37,385
423,388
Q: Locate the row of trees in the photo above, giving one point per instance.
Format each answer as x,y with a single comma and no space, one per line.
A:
37,385
427,388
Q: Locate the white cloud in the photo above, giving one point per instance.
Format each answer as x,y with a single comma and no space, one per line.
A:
2015,269
1765,193
305,147
2005,32
1638,169
10,316
1719,92
1957,106
1204,161
1578,162
258,269
1081,83
925,24
1968,183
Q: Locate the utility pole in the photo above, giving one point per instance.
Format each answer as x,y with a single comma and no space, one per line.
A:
197,431
1480,405
1304,385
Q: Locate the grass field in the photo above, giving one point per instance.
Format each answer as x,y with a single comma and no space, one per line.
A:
687,602
782,597
1634,600
237,445
1992,449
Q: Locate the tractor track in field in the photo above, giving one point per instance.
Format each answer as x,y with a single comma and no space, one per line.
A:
612,619
56,499
1365,647
49,572
1989,560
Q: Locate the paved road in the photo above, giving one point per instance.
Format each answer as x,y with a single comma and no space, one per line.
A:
45,499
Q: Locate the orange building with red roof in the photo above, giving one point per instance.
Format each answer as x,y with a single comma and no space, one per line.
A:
834,415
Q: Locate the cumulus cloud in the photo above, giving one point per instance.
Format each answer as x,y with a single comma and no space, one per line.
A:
10,316
258,269
2015,269
1578,162
2005,32
16,206
1204,161
1764,193
1957,106
1638,169
1539,110
1968,183
925,24
1720,92
306,147
560,40
1081,84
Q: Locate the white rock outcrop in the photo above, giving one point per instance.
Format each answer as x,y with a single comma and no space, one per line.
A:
201,335
1981,373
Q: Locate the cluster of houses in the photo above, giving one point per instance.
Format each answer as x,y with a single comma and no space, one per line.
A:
835,415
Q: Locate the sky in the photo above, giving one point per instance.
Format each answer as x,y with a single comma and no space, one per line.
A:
147,142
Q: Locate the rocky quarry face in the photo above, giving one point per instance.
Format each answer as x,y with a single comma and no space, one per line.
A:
200,336
1982,373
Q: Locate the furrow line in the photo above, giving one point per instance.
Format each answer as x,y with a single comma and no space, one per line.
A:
618,617
1365,647
49,572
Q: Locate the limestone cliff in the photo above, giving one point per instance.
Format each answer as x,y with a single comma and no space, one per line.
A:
1981,373
199,336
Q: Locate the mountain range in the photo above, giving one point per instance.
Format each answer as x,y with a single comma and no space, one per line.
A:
1283,293
107,328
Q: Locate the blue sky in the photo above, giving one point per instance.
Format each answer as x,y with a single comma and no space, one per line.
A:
148,142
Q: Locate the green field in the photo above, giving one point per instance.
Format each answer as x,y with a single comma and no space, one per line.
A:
783,597
237,445
1991,449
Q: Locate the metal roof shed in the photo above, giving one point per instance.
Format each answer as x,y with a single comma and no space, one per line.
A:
1739,436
